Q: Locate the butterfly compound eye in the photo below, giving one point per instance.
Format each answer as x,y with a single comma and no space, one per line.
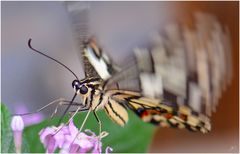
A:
75,84
83,89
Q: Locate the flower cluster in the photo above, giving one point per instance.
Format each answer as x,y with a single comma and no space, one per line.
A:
69,140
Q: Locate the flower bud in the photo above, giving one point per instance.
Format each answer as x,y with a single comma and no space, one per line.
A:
17,127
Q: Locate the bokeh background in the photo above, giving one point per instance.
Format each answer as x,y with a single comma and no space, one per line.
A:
30,80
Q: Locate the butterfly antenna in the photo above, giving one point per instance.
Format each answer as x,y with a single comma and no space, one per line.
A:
30,46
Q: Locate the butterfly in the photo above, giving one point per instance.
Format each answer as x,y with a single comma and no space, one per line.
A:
94,89
179,77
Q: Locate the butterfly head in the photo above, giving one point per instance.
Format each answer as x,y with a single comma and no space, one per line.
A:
79,88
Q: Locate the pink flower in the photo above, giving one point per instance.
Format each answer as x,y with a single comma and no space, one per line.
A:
52,139
17,127
69,140
76,142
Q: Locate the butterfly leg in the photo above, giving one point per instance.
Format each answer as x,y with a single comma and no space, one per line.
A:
61,103
84,121
42,108
72,116
100,129
73,111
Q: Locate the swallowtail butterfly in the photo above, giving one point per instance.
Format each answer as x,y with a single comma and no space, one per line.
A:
177,80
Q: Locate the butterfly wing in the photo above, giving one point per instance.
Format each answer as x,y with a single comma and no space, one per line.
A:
96,63
188,66
155,111
98,60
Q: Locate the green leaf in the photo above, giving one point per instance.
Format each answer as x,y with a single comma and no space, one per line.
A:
7,142
135,137
6,132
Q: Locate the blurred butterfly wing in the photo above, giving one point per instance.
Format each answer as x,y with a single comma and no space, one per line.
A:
78,14
185,69
96,63
186,66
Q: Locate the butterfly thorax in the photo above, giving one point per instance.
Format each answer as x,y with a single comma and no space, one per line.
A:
91,92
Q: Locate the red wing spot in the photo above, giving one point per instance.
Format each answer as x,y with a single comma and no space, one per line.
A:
144,113
151,112
168,115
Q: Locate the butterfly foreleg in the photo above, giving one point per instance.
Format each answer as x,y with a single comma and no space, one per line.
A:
66,102
62,103
73,111
84,121
42,108
72,116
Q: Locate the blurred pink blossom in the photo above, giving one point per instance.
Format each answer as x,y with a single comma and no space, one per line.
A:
28,119
69,140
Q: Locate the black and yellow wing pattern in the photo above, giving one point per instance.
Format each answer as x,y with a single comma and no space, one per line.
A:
158,112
